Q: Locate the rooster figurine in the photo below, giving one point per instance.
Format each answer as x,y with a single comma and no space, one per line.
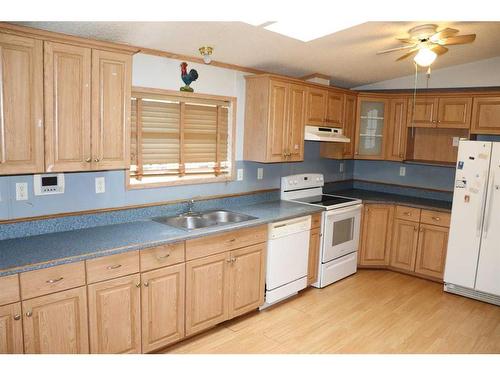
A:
187,78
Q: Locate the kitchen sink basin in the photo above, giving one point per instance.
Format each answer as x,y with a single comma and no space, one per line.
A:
204,219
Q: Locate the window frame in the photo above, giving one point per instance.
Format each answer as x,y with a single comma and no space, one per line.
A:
189,180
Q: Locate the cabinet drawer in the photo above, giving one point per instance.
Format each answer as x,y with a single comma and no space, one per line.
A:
51,280
316,220
435,218
9,289
205,246
112,266
161,256
408,213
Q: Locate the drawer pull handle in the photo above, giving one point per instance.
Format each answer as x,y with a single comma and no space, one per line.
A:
229,260
146,283
113,267
232,240
17,317
436,218
407,214
53,281
161,257
29,314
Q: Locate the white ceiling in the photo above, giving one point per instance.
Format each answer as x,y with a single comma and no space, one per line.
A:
348,57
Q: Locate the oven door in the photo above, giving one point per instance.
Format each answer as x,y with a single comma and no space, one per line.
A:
340,232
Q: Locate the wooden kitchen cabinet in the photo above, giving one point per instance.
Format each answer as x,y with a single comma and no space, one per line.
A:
317,101
163,297
111,91
376,234
274,120
422,112
371,128
115,315
335,109
246,279
349,127
21,105
442,111
313,262
486,115
67,107
56,323
431,253
206,292
11,329
404,244
397,130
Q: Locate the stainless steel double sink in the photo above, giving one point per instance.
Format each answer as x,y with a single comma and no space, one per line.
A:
199,220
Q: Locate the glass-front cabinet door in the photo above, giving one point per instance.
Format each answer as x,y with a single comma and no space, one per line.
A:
371,127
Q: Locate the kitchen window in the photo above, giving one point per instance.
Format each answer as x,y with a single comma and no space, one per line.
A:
180,138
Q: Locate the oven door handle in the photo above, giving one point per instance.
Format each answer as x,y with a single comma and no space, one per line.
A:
345,210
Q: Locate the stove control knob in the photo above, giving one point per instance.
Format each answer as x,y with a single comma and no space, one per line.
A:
295,182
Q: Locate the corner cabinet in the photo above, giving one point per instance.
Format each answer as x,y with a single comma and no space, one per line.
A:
274,120
376,234
371,128
21,105
486,115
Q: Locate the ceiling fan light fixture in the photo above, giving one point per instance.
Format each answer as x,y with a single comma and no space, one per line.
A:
425,57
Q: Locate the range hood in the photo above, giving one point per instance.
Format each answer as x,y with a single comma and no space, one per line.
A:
322,134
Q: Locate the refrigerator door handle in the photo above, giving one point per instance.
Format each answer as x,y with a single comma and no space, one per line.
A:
490,204
481,211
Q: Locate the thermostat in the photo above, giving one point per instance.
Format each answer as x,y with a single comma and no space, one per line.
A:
48,183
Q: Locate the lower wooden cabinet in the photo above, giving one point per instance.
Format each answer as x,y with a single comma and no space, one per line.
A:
431,253
56,323
404,245
313,263
376,234
163,294
11,329
115,315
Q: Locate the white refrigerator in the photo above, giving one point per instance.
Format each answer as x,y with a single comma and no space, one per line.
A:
473,257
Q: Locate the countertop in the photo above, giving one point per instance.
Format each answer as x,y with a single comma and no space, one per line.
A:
369,196
47,250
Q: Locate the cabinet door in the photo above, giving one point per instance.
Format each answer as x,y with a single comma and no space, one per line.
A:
376,236
206,292
454,113
396,142
21,105
316,106
111,90
67,107
371,128
162,307
296,123
246,279
486,115
313,262
278,128
349,125
335,110
404,245
56,323
423,113
11,329
115,316
431,253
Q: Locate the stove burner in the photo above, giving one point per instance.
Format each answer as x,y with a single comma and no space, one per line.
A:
325,200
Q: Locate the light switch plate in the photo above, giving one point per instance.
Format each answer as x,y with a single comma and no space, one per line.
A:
239,174
21,191
260,173
100,185
402,171
456,140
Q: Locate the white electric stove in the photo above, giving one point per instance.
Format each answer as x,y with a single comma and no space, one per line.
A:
340,225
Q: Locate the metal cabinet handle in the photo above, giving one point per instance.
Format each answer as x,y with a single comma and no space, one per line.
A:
17,317
97,160
233,260
421,230
29,314
88,160
138,285
232,240
52,281
161,257
113,267
406,214
436,218
146,283
229,260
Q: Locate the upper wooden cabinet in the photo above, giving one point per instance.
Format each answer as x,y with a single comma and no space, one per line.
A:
274,120
444,112
335,109
67,107
486,115
371,127
21,105
317,100
397,131
349,126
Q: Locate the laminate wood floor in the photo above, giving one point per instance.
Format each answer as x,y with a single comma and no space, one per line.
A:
373,311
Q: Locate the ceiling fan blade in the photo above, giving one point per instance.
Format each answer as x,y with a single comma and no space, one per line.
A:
395,49
440,50
445,33
406,40
408,54
460,39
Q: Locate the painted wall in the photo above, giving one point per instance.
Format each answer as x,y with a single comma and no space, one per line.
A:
483,73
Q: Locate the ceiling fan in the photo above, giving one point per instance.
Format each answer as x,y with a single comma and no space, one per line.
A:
426,43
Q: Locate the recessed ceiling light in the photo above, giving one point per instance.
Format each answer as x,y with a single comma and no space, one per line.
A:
307,31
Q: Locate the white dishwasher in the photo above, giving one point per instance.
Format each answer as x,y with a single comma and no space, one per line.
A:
287,256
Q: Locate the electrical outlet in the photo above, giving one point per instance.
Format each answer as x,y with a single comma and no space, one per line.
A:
260,173
21,191
239,174
341,167
100,185
456,140
402,171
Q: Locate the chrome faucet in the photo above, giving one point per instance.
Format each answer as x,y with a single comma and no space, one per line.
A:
190,207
